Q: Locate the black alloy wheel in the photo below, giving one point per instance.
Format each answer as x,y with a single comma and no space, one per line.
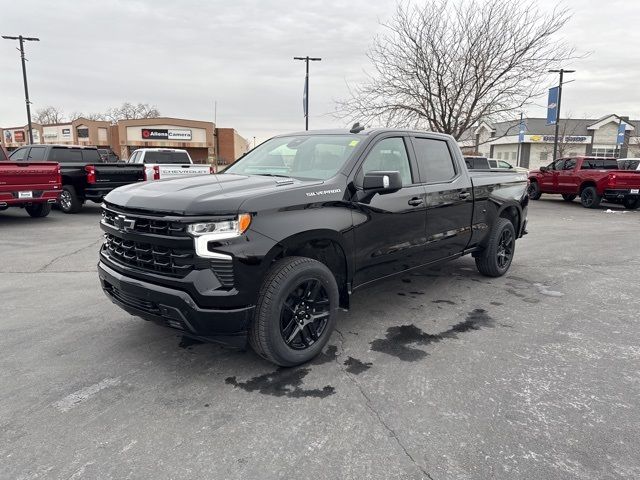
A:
504,253
534,191
304,315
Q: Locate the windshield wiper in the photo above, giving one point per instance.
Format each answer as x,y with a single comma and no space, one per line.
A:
272,175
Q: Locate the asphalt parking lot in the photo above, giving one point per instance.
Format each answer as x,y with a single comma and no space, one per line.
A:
439,374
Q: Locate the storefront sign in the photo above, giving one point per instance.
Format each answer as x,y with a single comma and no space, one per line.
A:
561,139
18,135
36,136
165,134
8,138
66,133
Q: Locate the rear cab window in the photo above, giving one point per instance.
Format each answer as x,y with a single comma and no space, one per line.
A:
65,155
166,157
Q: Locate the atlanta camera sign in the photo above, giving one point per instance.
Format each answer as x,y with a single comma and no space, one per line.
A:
165,134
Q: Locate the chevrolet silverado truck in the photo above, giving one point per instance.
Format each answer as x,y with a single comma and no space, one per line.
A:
164,163
271,248
33,186
84,176
593,179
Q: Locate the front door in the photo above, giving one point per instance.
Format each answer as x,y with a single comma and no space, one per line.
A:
549,179
567,182
389,228
449,198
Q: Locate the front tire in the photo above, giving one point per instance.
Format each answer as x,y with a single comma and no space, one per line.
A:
569,197
631,203
296,311
495,259
38,210
534,191
590,198
69,201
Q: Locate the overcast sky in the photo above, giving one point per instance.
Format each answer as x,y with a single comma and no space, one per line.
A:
183,55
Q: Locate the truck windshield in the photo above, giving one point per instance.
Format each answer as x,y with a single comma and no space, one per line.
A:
314,157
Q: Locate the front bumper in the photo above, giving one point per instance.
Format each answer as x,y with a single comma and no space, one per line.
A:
175,309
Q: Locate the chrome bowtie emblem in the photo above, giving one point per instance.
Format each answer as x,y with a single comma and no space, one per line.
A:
123,223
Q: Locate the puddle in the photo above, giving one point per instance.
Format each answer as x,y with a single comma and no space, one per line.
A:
356,366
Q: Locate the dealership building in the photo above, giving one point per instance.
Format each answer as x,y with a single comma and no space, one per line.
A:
597,137
204,142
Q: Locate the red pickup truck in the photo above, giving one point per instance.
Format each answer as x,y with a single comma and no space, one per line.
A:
591,178
34,186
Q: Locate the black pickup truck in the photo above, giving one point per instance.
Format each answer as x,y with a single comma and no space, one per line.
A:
84,175
272,247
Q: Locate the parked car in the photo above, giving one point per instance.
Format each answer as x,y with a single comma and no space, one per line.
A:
477,163
629,163
165,163
107,155
273,246
33,186
494,163
84,176
591,178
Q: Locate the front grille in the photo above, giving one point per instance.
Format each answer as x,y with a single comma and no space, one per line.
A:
143,224
132,300
149,257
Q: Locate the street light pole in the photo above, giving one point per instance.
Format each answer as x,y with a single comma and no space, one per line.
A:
562,71
22,39
307,59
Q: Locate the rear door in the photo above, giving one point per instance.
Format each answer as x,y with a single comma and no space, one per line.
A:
389,228
448,195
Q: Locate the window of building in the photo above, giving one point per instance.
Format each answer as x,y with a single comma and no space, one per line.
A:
543,156
499,155
434,160
514,155
606,152
572,154
83,132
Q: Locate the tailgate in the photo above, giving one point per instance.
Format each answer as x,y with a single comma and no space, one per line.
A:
116,174
174,171
624,179
34,174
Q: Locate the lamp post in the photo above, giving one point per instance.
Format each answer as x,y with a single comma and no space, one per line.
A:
22,39
562,71
305,99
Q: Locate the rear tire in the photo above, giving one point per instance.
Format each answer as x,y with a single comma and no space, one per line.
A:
69,201
495,259
534,191
631,203
590,198
569,197
296,311
38,210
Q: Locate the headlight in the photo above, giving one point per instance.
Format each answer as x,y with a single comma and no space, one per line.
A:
205,232
234,227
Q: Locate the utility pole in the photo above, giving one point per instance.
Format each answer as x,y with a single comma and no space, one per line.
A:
305,98
562,71
22,39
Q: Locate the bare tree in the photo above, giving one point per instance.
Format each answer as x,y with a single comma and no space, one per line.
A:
48,115
89,116
130,111
445,66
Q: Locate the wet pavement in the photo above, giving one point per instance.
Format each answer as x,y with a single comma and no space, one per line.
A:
440,373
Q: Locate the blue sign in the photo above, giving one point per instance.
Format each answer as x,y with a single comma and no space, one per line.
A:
521,131
552,106
621,130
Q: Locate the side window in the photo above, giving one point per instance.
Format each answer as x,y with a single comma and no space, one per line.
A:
434,160
558,165
389,154
134,157
505,165
90,156
586,165
570,164
36,154
18,155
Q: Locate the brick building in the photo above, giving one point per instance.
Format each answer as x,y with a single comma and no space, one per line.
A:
204,142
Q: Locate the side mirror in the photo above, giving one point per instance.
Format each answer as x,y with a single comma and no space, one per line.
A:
544,169
382,181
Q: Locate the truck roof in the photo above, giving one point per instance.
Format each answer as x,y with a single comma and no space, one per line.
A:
160,150
364,133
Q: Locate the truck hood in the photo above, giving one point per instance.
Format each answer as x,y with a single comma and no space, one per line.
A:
203,195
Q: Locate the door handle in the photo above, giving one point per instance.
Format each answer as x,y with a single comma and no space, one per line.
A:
464,195
415,201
